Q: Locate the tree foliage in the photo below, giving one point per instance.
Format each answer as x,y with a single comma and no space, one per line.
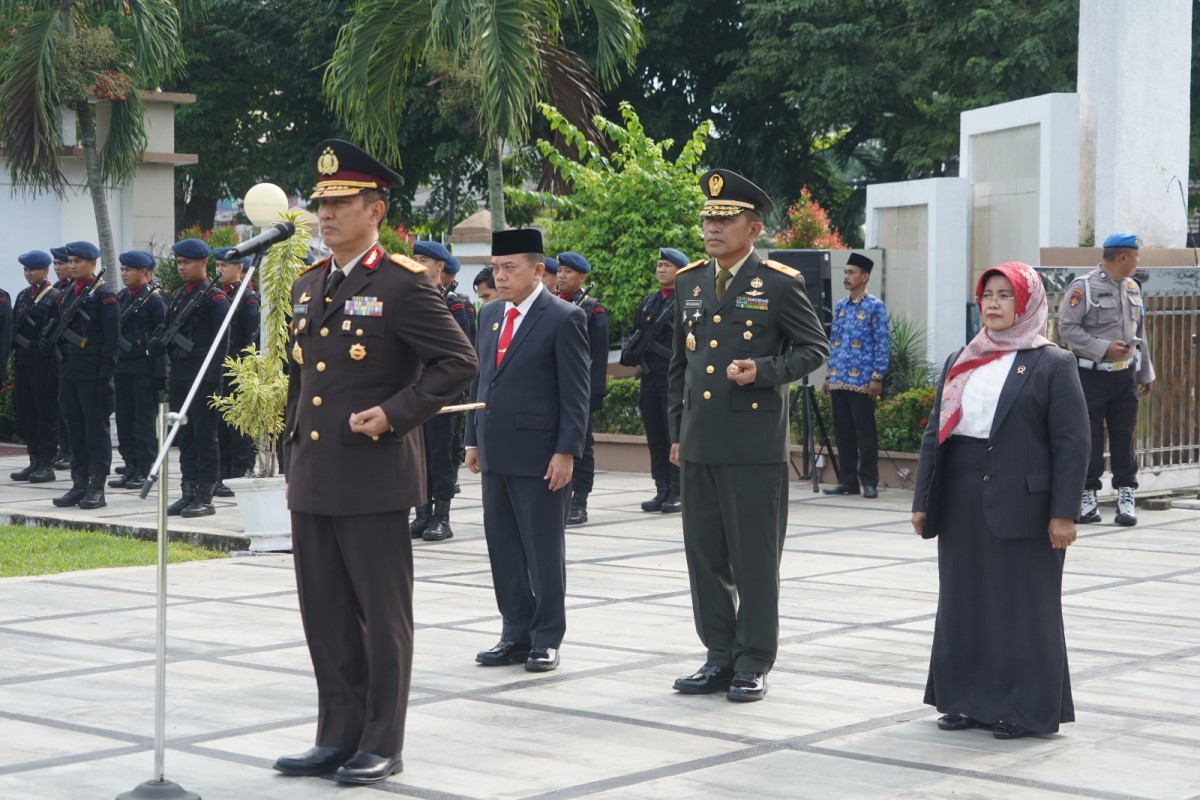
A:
624,206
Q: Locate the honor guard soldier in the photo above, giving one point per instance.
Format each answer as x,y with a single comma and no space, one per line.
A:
85,331
432,520
573,270
6,331
858,362
550,276
140,377
236,449
375,354
62,280
452,269
744,330
1102,320
649,349
193,318
35,379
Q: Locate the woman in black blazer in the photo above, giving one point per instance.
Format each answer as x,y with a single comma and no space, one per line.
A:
999,481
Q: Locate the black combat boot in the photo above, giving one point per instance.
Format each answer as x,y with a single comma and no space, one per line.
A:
221,490
135,477
62,459
202,505
421,521
439,523
44,472
95,493
24,473
656,503
78,489
672,504
578,513
189,494
123,475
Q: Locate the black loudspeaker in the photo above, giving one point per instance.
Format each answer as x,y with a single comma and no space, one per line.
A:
814,266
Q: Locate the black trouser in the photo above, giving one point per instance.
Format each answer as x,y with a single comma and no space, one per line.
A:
857,441
199,456
35,400
652,402
441,470
237,452
64,438
87,404
1111,398
137,409
585,465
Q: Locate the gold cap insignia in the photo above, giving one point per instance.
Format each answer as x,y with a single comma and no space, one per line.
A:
357,351
715,184
756,282
297,353
327,162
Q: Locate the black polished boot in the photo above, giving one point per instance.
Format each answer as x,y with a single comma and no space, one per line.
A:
201,505
578,513
221,490
439,524
123,475
672,504
189,494
24,473
62,460
135,478
44,472
416,528
95,493
75,493
655,503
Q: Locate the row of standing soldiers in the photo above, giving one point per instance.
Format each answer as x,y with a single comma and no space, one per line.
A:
79,350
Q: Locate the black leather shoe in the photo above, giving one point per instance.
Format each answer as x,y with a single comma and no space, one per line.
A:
503,654
1009,730
316,761
841,489
221,490
365,768
748,687
956,722
870,492
542,659
709,679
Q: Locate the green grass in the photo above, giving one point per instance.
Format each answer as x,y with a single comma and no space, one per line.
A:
42,551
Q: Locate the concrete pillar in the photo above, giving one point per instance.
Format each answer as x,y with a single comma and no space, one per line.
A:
1134,113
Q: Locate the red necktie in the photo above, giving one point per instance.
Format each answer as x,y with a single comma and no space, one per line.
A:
506,334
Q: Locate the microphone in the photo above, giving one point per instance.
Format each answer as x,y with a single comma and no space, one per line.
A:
274,234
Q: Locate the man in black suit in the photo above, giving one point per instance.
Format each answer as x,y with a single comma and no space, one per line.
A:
533,376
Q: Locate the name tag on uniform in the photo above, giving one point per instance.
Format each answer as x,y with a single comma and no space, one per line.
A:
693,303
299,308
750,303
364,307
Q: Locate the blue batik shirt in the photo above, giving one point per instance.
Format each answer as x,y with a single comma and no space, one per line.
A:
858,352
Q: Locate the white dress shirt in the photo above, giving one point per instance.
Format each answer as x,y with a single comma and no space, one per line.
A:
526,304
980,396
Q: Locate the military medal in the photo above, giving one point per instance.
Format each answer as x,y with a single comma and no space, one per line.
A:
690,341
756,282
297,353
357,351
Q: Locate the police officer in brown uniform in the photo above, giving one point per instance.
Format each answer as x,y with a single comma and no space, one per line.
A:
744,330
1102,320
375,354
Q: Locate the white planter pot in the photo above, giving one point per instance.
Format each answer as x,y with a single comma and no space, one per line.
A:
265,515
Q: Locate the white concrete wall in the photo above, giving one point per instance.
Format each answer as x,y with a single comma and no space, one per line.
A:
926,243
1135,103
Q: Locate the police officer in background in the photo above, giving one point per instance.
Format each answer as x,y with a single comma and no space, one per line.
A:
458,428
86,321
140,378
6,330
35,378
432,520
573,270
649,349
550,276
62,280
236,449
193,319
1102,320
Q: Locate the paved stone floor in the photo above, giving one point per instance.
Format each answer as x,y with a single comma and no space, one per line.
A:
843,719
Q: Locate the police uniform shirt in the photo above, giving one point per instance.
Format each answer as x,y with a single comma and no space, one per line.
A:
138,327
597,331
656,356
98,324
32,310
1098,310
201,328
858,352
243,328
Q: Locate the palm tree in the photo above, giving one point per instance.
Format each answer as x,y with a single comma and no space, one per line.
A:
71,53
514,48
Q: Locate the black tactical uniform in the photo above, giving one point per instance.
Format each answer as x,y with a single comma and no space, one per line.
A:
62,456
237,449
35,376
585,466
653,331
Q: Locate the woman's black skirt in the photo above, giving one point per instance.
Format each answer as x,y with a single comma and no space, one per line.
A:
998,647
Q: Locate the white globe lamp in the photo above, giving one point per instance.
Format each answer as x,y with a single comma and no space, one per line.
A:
264,203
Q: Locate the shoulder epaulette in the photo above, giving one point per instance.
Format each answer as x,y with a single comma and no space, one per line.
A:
408,263
784,268
314,265
693,265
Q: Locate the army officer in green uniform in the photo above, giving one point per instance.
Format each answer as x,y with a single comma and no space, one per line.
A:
744,330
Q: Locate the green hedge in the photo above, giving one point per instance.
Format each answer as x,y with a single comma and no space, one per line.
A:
900,420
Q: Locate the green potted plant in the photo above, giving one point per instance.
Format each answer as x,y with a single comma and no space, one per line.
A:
256,394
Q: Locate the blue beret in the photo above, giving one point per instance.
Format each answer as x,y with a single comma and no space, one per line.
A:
551,265
191,248
1123,240
34,259
452,266
84,250
138,259
676,257
574,261
434,250
222,254
308,258
59,253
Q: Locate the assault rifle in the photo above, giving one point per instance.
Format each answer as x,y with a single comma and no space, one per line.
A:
638,343
19,323
130,311
168,335
62,328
